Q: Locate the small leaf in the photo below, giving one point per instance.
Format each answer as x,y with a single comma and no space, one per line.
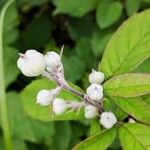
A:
95,126
99,141
29,94
135,107
75,8
132,6
128,47
134,136
99,40
108,12
128,85
74,67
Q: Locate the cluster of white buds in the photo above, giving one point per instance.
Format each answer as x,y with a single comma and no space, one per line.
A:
33,63
95,90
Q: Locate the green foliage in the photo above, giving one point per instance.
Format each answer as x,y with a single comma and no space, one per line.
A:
108,12
95,127
100,140
108,105
45,113
87,29
74,8
33,130
128,85
10,34
135,107
132,6
63,135
134,135
129,44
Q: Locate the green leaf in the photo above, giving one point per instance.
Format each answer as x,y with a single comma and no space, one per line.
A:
99,141
99,40
128,85
76,8
27,128
74,67
11,56
108,12
128,47
84,52
77,27
29,94
135,107
144,67
95,126
37,33
10,35
62,137
109,105
135,136
132,6
17,144
33,2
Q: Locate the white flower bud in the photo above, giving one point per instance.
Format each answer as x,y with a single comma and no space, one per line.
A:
90,111
44,97
95,92
108,119
52,59
59,106
131,120
96,77
32,63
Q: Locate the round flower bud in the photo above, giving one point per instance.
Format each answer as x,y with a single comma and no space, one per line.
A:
96,77
44,97
95,92
52,59
59,106
108,119
32,63
90,111
131,120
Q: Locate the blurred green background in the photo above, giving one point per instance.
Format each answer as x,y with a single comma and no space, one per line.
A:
84,27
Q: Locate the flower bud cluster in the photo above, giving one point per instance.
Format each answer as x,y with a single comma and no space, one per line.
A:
33,63
95,90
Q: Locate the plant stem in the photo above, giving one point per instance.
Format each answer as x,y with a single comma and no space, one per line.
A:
3,104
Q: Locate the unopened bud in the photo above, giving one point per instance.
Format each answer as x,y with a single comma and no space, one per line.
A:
59,106
44,97
131,120
90,111
52,59
96,77
95,92
32,63
108,119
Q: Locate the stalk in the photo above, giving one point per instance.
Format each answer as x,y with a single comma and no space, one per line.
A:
3,104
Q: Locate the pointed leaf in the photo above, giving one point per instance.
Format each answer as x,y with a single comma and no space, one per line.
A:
45,113
128,85
128,47
134,136
108,12
135,107
99,141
